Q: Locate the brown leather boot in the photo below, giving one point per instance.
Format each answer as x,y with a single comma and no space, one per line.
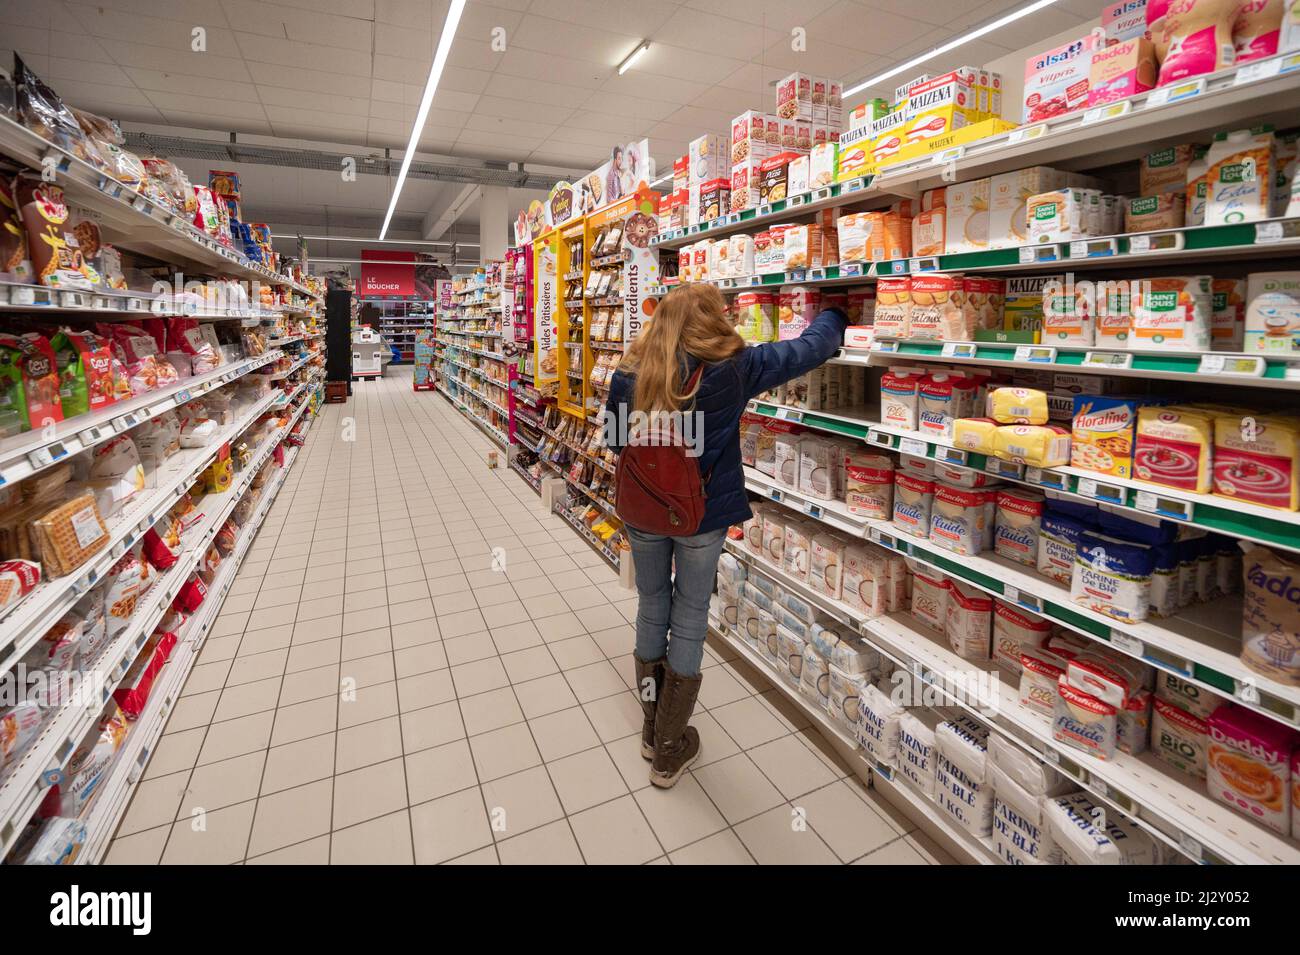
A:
648,694
677,744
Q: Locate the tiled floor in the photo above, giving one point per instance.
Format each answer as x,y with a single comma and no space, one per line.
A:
416,664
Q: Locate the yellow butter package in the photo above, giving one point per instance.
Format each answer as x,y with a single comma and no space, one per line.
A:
1018,406
1257,459
974,434
1174,445
1038,446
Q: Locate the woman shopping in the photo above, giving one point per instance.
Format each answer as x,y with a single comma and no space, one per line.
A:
689,372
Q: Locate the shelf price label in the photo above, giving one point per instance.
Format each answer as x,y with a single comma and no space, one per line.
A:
1108,359
880,438
1240,366
1155,242
926,264
1175,93
851,268
959,349
812,509
1259,70
1087,487
1025,133
884,347
951,455
1100,114
1038,354
1093,248
1154,503
915,446
1130,645
948,155
1032,254
789,414
1002,468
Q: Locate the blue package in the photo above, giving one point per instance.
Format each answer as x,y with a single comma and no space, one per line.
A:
1087,513
1058,537
1113,577
1150,531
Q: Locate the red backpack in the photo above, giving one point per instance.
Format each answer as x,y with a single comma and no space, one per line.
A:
657,485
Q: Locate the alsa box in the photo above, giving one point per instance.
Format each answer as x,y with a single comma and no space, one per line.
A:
1125,21
1056,81
749,137
1121,70
794,97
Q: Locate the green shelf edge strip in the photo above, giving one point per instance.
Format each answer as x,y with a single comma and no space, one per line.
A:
814,420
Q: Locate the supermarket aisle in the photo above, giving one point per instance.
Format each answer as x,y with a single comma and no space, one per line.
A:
377,689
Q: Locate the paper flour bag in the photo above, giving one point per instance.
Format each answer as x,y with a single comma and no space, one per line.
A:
1179,739
790,651
865,579
1019,836
815,678
869,484
961,772
826,564
731,572
1270,623
844,692
878,720
1084,722
797,552
968,621
1088,834
930,598
1016,631
819,460
787,460
916,749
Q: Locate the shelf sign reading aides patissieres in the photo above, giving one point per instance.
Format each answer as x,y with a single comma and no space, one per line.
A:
546,254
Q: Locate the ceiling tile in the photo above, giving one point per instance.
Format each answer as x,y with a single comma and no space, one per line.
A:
361,9
297,78
156,31
76,46
574,41
937,12
317,117
35,13
609,125
408,42
491,154
175,61
590,137
631,16
703,119
402,113
511,108
285,22
463,80
535,91
197,85
450,100
37,62
503,140
319,102
491,124
733,102
663,88
400,69
831,59
387,91
477,24
306,56
675,61
517,61
89,71
634,106
416,14
757,81
776,15
848,24
207,121
709,33
101,97
184,11
205,105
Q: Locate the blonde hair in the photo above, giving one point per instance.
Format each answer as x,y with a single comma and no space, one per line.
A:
689,320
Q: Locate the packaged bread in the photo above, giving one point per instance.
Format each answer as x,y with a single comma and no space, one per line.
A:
1174,447
69,535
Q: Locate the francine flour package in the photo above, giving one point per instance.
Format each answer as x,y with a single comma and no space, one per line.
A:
913,500
869,484
1016,632
1085,722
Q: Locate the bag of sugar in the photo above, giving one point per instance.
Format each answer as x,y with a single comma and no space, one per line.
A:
916,749
968,621
1270,614
961,773
878,718
1088,834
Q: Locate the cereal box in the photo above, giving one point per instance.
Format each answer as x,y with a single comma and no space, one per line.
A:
1056,81
1102,433
940,106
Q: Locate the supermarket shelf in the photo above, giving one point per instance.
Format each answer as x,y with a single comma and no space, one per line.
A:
129,218
496,434
607,346
115,791
277,376
1175,810
1238,369
854,422
1201,645
1270,238
534,483
974,850
1259,92
1265,525
40,764
31,617
22,297
31,452
585,533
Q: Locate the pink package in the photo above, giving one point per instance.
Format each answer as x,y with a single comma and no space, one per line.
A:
1256,28
1197,38
1248,765
1295,794
1124,20
1056,81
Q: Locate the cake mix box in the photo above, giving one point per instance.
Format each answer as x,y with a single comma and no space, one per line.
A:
1056,81
1257,459
1102,432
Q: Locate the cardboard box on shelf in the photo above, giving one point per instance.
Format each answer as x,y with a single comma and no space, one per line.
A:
774,176
1008,194
1126,20
834,105
745,179
1056,80
749,137
901,91
1122,70
941,105
966,225
715,199
864,114
819,85
794,97
681,173
822,165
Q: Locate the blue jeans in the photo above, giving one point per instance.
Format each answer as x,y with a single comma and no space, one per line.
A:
677,603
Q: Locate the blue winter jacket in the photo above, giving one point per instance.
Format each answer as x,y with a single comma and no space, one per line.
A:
725,388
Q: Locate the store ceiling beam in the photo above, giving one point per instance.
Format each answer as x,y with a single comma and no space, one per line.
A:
447,210
232,151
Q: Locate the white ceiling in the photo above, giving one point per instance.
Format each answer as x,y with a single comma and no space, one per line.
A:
352,71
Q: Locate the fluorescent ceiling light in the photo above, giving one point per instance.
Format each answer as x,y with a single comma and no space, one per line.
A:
662,179
431,87
950,45
633,57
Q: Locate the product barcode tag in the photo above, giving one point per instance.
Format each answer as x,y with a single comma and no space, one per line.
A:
1026,132
1259,70
1130,645
915,446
